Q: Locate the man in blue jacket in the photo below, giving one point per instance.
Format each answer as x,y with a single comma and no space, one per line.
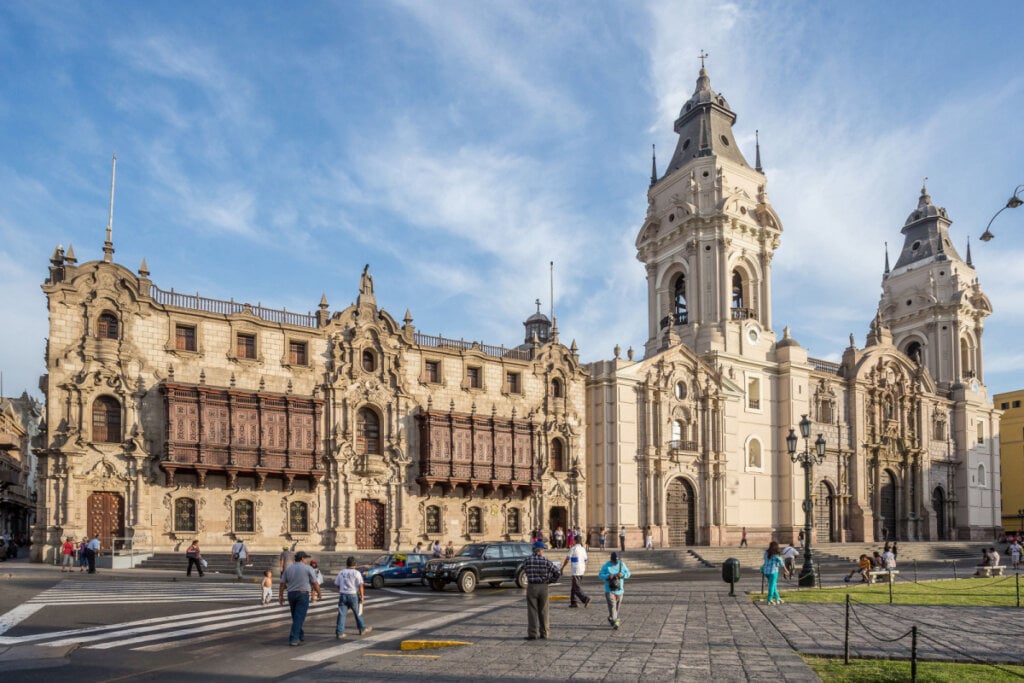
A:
614,573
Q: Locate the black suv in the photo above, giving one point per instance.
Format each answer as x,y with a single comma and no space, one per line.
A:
490,563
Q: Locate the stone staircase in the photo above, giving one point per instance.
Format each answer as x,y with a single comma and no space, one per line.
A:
847,553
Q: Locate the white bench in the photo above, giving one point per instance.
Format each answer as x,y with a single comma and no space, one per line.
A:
989,571
890,574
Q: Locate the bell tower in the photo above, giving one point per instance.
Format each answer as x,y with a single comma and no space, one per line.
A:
708,238
932,299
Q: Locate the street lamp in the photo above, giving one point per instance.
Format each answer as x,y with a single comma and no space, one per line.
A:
1012,203
807,460
1020,527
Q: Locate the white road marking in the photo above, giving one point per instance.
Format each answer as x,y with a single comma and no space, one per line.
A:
17,615
393,634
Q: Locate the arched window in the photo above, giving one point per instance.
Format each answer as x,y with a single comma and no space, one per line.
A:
914,352
185,514
368,432
680,390
475,521
298,518
557,456
106,420
513,521
556,388
754,454
106,326
737,290
245,516
677,430
679,300
369,361
981,476
433,519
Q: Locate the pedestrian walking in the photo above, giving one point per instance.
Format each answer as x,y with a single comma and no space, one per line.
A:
351,592
285,559
194,557
298,580
91,551
743,538
603,538
539,571
67,555
239,553
789,555
436,550
648,539
800,538
559,537
614,574
319,577
577,561
267,587
773,563
1015,553
622,538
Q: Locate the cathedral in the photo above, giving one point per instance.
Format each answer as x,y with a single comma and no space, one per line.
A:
691,441
171,417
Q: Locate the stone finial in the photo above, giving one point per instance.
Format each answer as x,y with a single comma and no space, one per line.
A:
170,372
618,351
231,382
408,317
202,376
263,383
71,260
323,301
57,258
143,269
629,353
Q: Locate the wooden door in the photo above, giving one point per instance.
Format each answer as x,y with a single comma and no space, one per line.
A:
681,508
106,518
823,513
370,525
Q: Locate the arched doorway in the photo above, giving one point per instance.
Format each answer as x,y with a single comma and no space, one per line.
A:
106,518
824,513
559,517
370,525
939,505
888,511
681,507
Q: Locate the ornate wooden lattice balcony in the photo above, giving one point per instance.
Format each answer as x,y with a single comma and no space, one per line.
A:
237,432
474,451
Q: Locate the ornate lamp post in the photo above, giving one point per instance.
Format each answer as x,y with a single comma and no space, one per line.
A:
1020,516
1012,203
807,460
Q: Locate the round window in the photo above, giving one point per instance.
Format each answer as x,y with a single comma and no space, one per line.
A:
686,143
915,246
725,140
671,217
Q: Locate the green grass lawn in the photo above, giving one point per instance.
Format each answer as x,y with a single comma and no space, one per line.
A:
886,671
996,592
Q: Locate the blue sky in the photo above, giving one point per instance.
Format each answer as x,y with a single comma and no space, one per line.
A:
267,152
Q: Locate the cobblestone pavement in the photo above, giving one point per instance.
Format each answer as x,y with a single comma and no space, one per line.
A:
670,631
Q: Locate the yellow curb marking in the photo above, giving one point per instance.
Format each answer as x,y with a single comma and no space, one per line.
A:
430,644
384,654
558,597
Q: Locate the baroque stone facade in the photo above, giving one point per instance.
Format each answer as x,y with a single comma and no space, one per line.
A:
691,441
174,417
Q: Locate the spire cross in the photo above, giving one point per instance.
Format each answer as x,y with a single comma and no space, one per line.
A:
702,56
924,182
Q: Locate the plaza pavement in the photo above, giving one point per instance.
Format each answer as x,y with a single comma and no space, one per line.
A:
672,629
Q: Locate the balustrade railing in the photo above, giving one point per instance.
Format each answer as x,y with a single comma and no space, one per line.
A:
463,345
195,302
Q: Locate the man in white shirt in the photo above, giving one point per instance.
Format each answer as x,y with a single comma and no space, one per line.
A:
239,553
888,560
789,555
350,596
577,561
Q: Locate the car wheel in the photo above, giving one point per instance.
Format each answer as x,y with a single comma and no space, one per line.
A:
467,582
377,581
423,581
494,584
437,585
521,580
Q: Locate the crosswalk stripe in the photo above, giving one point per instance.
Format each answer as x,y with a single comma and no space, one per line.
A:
76,593
392,634
16,616
203,639
279,616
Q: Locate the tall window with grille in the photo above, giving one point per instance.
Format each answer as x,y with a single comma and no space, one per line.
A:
475,521
245,346
185,337
107,326
298,518
513,521
106,420
185,514
245,516
368,432
512,378
473,375
557,456
433,525
298,353
369,361
433,371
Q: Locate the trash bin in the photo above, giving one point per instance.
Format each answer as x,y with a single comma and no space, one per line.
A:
731,573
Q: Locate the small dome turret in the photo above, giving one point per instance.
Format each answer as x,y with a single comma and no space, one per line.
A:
537,325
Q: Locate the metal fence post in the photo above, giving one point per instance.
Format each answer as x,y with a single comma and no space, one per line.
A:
890,588
913,654
846,635
915,571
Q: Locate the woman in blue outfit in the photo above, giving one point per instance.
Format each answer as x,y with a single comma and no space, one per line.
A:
614,573
773,564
